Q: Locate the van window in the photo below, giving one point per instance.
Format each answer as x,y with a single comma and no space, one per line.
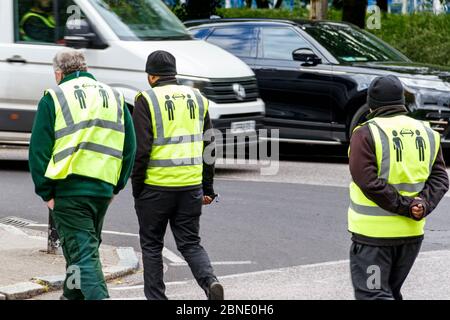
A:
240,41
135,20
43,21
279,43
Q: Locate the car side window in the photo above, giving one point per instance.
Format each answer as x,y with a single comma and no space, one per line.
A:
43,21
279,43
240,41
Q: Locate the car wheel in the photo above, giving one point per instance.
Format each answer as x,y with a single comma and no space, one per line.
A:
358,118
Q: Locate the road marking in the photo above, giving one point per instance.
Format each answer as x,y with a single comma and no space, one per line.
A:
141,286
121,233
172,257
169,255
215,263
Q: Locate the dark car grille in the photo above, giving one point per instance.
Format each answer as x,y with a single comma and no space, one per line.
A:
223,91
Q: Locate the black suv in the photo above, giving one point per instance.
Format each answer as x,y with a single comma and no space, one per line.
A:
313,76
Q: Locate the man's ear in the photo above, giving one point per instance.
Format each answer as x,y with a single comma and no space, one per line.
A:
59,76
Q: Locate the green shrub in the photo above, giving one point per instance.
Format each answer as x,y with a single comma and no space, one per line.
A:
421,37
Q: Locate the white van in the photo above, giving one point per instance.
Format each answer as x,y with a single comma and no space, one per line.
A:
117,37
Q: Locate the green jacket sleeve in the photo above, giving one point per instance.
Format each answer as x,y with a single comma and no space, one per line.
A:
129,152
41,147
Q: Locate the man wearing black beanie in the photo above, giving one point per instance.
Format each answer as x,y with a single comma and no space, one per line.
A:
171,181
399,177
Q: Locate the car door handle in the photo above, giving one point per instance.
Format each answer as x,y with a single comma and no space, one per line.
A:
16,59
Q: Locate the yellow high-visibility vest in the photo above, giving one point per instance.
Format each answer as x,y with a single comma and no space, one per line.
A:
405,151
48,21
178,114
89,131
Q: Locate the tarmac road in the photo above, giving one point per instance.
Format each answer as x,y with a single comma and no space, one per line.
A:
294,218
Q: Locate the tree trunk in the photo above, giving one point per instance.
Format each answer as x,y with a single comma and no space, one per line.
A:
354,11
199,9
248,3
278,4
319,9
383,4
263,4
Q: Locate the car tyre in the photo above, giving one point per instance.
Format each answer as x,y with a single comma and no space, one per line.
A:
358,118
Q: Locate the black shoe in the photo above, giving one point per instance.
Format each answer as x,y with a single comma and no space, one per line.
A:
215,291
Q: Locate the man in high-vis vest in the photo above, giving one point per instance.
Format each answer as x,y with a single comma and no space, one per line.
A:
38,24
81,155
399,177
170,179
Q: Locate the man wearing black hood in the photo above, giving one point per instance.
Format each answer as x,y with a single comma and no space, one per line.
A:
39,24
171,180
399,177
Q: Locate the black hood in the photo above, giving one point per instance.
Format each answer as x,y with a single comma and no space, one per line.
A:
410,70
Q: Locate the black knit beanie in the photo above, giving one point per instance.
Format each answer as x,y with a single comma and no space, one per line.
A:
161,63
385,91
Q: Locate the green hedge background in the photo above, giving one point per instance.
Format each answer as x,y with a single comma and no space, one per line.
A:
421,37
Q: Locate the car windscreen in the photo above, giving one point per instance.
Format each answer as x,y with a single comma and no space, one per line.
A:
348,44
134,20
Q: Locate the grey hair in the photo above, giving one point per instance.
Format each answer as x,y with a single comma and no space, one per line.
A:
69,60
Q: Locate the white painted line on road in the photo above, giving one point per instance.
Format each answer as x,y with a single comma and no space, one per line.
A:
121,233
141,286
127,288
127,299
216,263
171,256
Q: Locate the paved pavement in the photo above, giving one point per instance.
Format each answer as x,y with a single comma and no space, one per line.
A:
282,222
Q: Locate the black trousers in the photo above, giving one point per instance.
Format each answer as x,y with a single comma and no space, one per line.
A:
378,273
182,209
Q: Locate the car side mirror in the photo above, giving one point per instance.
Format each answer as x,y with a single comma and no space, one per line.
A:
79,34
307,56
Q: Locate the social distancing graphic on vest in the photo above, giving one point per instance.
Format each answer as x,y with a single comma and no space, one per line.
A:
105,96
405,151
176,158
80,95
398,145
170,108
89,134
191,106
420,145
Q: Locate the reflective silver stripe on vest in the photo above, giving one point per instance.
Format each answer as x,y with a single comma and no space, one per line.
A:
370,211
88,124
386,153
119,105
432,145
88,146
409,187
178,140
201,108
175,162
158,116
64,106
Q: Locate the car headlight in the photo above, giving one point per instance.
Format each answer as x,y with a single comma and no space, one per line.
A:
194,82
415,84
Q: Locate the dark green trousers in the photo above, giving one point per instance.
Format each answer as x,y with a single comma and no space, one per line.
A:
79,222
